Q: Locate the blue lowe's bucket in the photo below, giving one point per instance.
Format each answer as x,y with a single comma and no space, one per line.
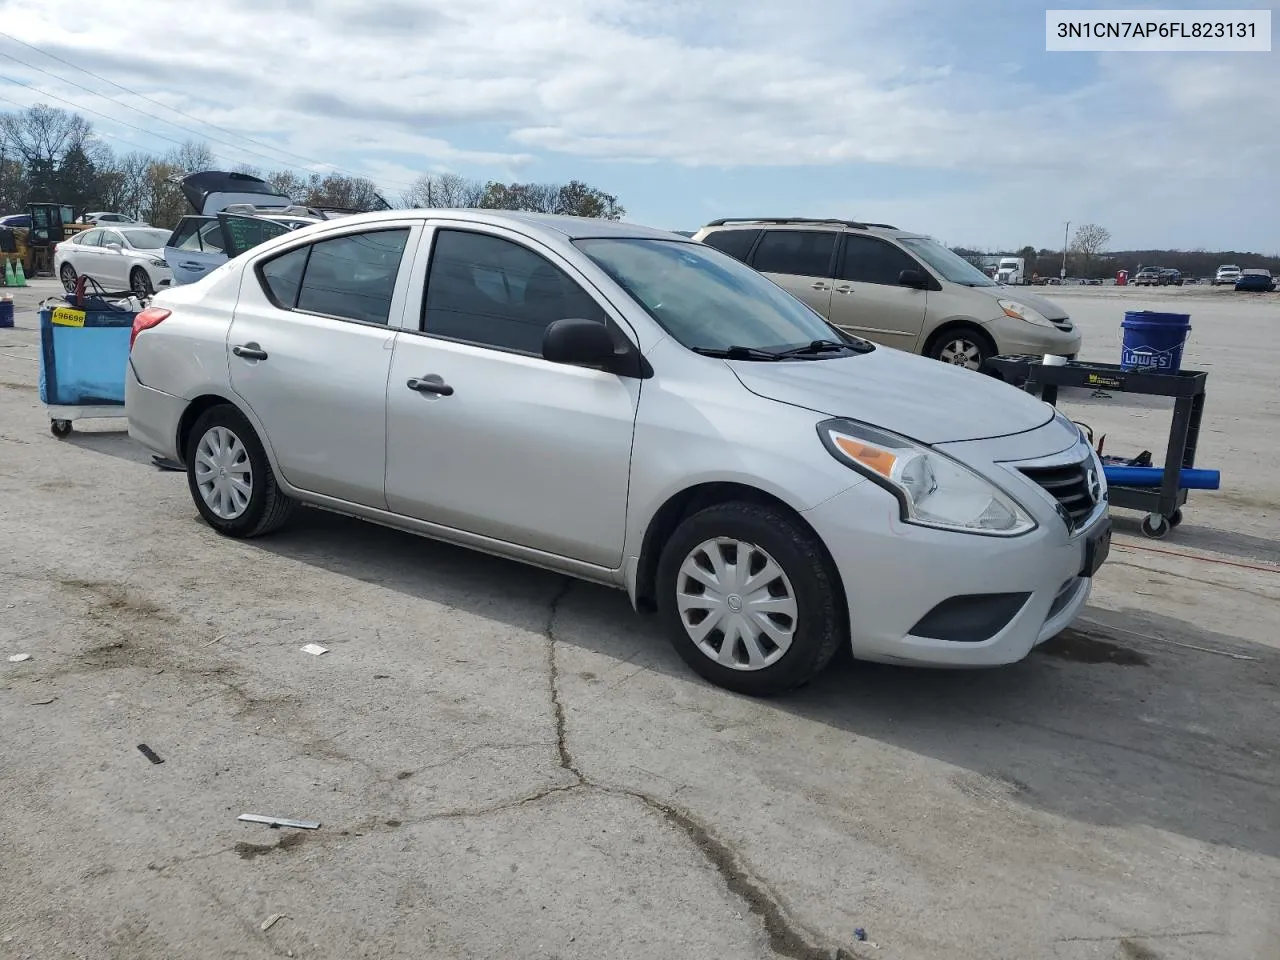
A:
1153,342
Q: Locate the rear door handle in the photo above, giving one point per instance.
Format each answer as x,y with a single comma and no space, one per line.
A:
431,383
819,285
844,289
249,351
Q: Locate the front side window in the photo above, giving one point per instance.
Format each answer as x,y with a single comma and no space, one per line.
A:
797,253
353,277
145,239
490,291
707,300
868,260
110,236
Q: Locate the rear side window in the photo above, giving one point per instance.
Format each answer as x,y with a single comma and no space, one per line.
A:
868,260
736,243
489,291
184,236
210,238
91,238
351,277
800,253
283,276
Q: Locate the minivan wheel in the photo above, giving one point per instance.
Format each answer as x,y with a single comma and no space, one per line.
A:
230,477
748,599
962,347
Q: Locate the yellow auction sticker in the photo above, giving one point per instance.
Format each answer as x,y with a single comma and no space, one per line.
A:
68,317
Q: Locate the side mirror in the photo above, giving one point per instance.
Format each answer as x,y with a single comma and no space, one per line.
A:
913,279
579,342
114,247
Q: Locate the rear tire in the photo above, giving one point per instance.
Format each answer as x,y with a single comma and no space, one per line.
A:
68,277
230,478
965,346
784,622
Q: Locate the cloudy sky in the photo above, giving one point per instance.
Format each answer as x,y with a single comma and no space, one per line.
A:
942,116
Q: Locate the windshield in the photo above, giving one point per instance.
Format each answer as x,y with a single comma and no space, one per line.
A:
145,239
952,266
706,299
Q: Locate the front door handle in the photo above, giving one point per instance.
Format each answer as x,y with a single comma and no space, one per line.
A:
431,383
819,285
249,351
192,266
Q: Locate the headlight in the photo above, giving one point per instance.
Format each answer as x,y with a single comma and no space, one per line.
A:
1020,311
932,489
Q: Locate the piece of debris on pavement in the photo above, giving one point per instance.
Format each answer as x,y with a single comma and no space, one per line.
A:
150,754
272,920
315,648
279,821
19,657
45,702
859,934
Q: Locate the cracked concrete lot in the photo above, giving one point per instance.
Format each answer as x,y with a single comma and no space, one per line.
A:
508,764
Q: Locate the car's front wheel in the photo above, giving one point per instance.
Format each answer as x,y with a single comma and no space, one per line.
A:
140,283
962,347
230,478
748,598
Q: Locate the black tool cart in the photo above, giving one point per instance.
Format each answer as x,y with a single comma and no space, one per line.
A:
1163,504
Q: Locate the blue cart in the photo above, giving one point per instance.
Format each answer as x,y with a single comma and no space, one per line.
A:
84,352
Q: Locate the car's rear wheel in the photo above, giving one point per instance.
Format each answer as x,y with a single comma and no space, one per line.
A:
230,478
748,598
140,283
965,347
68,276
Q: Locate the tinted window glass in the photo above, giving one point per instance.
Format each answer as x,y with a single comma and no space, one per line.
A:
801,253
283,275
736,243
210,238
184,236
868,260
354,276
491,291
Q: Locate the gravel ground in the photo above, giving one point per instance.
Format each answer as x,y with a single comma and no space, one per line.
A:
506,764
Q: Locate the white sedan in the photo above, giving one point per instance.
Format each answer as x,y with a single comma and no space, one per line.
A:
119,258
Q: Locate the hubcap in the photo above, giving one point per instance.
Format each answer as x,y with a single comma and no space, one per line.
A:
68,279
224,475
140,284
961,353
736,604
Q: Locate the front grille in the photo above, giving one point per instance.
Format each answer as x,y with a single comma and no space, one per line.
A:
1069,485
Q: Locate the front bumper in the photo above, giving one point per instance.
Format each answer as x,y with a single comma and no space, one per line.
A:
1017,337
900,580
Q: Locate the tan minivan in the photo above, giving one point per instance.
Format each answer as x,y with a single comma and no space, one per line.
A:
897,288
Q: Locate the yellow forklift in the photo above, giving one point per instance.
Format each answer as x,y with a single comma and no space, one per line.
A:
51,223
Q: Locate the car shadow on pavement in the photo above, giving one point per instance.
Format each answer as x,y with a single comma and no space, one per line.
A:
1127,718
114,443
1191,536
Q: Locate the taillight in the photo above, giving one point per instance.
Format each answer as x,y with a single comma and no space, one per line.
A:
145,321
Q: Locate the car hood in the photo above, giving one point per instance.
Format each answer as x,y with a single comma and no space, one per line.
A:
926,400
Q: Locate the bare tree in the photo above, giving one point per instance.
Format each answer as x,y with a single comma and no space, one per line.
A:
191,157
445,190
41,136
124,186
1090,240
288,184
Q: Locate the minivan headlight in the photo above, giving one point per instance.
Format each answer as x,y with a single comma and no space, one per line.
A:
933,489
1020,311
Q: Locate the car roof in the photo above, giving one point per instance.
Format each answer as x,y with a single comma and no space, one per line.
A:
544,226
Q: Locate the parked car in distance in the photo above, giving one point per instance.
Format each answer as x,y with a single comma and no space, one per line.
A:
106,218
199,244
1259,281
634,408
896,288
118,258
1146,277
16,220
1227,273
1170,277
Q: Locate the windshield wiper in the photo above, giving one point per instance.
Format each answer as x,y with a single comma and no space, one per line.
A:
824,346
737,353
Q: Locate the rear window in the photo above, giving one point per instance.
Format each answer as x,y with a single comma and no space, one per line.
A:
736,243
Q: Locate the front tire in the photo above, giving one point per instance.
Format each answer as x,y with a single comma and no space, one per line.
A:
140,283
230,478
748,599
966,347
